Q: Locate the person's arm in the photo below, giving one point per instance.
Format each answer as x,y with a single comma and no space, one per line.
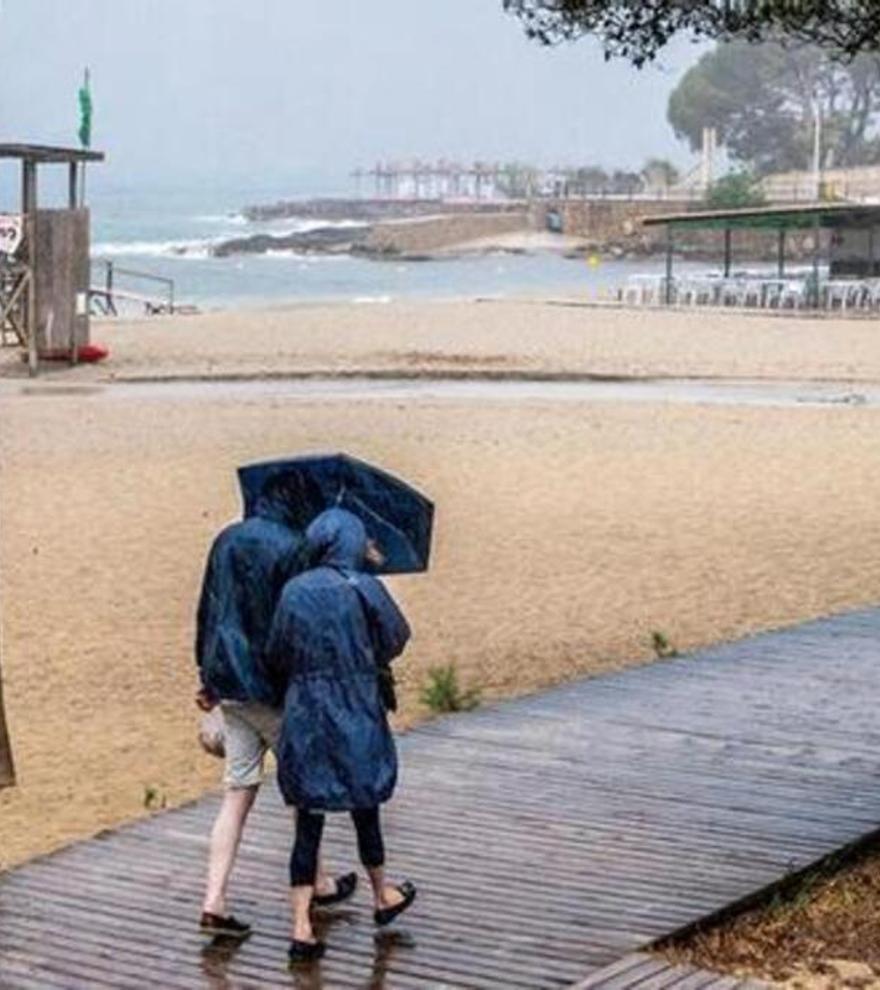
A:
276,656
205,698
388,626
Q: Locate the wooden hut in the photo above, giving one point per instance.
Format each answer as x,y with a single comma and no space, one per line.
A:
44,259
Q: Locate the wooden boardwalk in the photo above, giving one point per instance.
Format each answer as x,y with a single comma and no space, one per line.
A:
551,837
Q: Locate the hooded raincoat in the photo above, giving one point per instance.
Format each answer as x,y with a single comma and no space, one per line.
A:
247,568
334,625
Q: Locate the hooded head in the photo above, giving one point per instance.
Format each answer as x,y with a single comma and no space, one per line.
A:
337,538
288,498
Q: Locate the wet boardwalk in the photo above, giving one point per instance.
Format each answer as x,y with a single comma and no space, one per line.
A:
551,837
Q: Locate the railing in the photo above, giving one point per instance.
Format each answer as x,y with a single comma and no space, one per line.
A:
107,296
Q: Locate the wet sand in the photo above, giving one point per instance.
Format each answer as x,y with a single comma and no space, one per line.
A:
498,337
566,534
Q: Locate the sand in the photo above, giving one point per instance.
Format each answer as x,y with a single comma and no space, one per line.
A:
495,337
566,532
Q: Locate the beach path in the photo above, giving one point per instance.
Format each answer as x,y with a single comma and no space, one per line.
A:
551,837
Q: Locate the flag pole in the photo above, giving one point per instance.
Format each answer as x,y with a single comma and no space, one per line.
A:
85,129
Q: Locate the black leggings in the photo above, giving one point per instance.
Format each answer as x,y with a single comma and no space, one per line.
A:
309,826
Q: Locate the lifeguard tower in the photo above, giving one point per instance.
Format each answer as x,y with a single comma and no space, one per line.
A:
44,260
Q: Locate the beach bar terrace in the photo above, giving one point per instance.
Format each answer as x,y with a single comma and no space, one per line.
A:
44,259
842,272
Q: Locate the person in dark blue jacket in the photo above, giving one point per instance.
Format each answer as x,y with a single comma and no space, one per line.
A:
247,568
335,629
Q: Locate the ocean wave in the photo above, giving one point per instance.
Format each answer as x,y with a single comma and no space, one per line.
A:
200,248
234,219
302,225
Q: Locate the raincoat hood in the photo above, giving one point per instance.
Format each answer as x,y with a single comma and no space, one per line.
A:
337,538
276,504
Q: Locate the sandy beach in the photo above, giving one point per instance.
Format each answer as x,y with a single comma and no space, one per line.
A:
566,532
552,337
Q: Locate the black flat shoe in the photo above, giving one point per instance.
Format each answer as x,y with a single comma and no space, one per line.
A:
345,887
384,916
304,952
229,927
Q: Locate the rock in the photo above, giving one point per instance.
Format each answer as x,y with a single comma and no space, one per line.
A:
323,240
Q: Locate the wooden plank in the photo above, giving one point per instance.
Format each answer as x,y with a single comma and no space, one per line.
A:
641,802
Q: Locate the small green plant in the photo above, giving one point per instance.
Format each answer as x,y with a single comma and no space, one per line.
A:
663,649
442,692
736,190
154,798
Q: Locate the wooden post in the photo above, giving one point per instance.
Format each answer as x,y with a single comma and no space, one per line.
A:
29,208
815,294
781,253
669,249
728,251
71,186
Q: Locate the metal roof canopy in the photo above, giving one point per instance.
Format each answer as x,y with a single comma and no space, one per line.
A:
823,215
40,154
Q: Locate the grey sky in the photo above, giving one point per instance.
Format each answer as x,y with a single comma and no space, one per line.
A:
271,88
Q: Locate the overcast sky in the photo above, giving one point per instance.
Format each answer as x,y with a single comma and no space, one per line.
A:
204,89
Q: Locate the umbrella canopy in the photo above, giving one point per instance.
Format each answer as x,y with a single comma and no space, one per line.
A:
395,515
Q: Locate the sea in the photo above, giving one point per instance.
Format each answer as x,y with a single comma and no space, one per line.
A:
169,232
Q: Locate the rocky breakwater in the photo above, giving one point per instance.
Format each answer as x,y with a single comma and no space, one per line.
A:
377,230
320,240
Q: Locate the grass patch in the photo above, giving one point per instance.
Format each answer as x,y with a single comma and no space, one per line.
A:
662,647
442,693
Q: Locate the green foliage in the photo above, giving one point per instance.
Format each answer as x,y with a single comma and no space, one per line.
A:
442,692
763,99
639,31
153,798
518,181
663,649
736,190
659,173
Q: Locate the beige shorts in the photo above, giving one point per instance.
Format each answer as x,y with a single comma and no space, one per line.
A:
251,730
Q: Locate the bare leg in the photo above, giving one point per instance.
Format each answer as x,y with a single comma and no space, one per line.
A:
325,883
384,895
300,903
225,839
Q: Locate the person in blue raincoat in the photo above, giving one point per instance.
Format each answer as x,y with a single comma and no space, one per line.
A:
335,629
247,568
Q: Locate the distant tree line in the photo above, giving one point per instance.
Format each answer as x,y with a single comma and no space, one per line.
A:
521,181
764,101
638,31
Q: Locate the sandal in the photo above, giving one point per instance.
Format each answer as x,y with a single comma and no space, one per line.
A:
230,927
304,952
384,916
345,887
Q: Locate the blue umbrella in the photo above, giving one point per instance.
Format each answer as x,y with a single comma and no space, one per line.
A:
395,515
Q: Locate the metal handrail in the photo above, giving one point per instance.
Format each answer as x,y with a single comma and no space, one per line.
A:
112,269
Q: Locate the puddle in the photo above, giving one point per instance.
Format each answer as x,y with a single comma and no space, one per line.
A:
687,391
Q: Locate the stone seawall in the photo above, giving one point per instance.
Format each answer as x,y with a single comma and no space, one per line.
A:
613,220
445,232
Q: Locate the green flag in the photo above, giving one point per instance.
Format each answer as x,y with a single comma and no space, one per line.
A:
85,112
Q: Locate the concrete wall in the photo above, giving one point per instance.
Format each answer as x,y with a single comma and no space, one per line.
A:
605,220
436,233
